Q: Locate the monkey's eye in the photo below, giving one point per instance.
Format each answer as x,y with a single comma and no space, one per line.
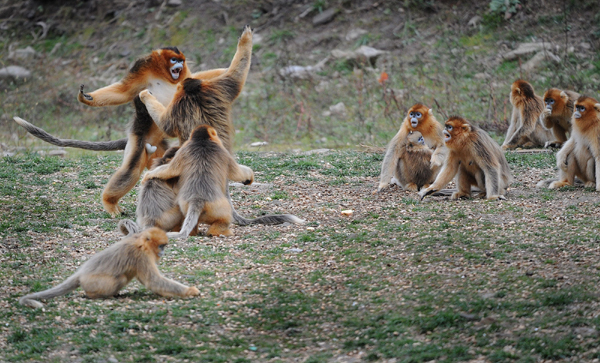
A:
412,114
418,115
580,108
173,60
549,101
449,127
162,247
421,140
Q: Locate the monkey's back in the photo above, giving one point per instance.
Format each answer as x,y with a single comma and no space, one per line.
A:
415,166
205,175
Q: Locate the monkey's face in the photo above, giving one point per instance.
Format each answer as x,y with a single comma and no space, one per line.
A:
175,61
415,139
161,250
455,130
417,113
587,109
555,99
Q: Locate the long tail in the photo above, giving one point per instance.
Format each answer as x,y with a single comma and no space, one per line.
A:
545,183
127,227
268,219
191,219
87,145
66,287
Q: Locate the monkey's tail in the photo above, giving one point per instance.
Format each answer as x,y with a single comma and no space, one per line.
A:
268,219
127,227
66,287
87,145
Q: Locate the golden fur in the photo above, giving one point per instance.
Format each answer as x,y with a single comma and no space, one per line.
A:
108,271
475,159
557,114
525,129
419,118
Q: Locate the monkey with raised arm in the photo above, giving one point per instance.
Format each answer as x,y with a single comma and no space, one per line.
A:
557,114
108,271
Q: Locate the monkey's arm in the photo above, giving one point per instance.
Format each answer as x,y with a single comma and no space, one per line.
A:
115,94
150,277
204,75
240,173
527,126
439,155
546,119
390,160
514,119
162,172
444,177
563,154
158,112
233,80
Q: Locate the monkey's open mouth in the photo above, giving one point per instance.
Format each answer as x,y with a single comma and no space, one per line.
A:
414,123
447,136
175,70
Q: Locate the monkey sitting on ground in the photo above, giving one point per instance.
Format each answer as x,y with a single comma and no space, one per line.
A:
580,155
203,166
525,129
557,114
413,168
108,271
475,159
421,119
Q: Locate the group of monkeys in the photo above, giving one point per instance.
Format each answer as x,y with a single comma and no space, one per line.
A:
187,185
425,157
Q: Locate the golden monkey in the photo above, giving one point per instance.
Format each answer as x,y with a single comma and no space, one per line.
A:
475,159
108,271
203,166
413,168
421,119
160,71
525,129
557,114
580,156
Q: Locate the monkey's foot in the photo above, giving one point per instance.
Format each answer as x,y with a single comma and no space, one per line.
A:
590,184
558,184
425,192
508,147
528,145
216,230
113,209
460,195
496,197
412,187
553,144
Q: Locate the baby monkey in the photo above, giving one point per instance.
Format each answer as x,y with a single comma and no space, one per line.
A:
413,170
108,271
203,166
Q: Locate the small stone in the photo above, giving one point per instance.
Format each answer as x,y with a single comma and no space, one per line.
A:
59,153
355,33
174,3
338,109
347,212
24,53
259,144
325,17
294,250
14,72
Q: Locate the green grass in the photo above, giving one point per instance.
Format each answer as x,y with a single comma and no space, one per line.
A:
403,279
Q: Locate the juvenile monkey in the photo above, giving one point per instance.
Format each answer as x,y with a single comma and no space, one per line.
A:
421,119
203,166
475,159
413,168
108,271
557,114
583,147
525,129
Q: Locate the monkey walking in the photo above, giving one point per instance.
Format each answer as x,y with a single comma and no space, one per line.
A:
421,119
475,159
525,129
108,271
557,114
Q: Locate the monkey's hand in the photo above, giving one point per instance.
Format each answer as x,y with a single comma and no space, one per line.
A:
246,36
436,160
508,147
382,186
425,192
84,97
146,95
147,177
192,291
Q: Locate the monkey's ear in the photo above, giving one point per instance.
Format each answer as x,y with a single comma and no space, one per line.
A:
466,127
518,90
212,133
597,107
563,95
410,132
430,111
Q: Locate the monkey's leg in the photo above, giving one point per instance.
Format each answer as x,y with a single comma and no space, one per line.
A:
240,173
590,181
445,176
560,136
597,169
151,278
102,285
124,179
193,210
218,215
389,167
211,73
463,183
240,64
492,183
